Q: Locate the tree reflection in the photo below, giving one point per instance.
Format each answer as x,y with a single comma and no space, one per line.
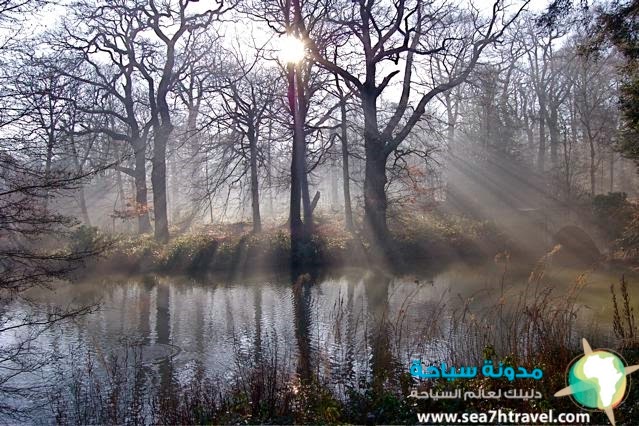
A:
301,308
163,336
376,285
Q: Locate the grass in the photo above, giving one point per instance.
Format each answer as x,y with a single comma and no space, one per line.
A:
233,247
623,321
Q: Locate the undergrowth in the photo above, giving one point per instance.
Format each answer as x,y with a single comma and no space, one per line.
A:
218,248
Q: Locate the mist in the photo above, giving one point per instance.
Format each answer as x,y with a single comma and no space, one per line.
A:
265,212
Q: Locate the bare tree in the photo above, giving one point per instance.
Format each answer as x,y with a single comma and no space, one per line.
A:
202,72
171,22
246,103
343,135
408,34
594,99
112,85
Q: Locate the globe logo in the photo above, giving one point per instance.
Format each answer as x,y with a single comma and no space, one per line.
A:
597,380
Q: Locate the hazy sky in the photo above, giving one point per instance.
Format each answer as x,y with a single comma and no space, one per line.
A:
242,37
50,14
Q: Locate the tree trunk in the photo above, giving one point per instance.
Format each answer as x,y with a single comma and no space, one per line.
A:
553,125
297,169
81,195
121,196
541,153
208,192
195,157
47,165
375,202
306,197
141,202
174,204
255,195
158,180
348,210
593,166
612,170
334,184
83,207
269,170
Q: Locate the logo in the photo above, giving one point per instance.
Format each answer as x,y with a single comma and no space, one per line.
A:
597,380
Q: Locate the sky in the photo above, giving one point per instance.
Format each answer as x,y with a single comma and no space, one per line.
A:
48,16
241,39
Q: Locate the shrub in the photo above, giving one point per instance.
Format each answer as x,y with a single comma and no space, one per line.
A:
182,252
435,235
612,213
87,240
137,253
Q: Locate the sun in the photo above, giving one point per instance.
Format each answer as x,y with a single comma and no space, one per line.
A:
291,49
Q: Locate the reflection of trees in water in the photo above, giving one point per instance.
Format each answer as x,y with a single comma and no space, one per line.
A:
144,306
198,332
343,349
346,373
301,309
345,324
163,335
257,304
144,330
350,329
376,285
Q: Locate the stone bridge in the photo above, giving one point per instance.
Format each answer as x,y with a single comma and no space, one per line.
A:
557,225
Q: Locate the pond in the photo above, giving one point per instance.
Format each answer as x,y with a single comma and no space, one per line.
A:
344,326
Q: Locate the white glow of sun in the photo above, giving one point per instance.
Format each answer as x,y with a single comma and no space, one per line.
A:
291,49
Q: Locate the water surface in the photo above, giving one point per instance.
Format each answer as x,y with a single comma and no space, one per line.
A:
176,329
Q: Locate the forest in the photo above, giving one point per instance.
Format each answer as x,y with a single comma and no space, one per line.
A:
261,211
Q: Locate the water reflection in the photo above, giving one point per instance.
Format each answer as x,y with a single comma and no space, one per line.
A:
163,334
301,293
376,284
257,303
346,328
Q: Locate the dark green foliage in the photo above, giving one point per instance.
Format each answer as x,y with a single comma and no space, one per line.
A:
612,213
618,220
629,241
182,251
620,25
85,239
